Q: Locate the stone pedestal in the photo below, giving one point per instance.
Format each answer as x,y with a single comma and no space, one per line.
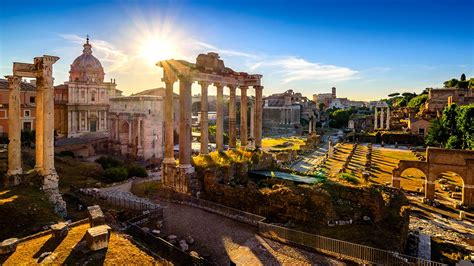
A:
96,216
8,246
98,237
60,230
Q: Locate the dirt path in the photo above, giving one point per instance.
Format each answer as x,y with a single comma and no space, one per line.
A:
228,240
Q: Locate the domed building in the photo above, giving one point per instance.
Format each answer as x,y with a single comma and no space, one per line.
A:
82,103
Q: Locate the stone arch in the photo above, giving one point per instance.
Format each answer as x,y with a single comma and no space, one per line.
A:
404,165
436,170
409,181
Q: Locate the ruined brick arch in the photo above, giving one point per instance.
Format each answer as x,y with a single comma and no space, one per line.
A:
438,161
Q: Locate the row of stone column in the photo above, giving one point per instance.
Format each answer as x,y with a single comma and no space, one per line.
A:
44,127
185,101
380,117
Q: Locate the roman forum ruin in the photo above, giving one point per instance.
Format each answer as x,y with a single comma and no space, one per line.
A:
382,106
207,70
42,71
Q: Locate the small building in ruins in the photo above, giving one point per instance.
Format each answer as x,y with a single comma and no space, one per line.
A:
136,127
438,98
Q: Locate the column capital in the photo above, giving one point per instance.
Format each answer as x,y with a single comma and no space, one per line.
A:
168,80
204,84
13,79
258,87
185,78
219,85
243,87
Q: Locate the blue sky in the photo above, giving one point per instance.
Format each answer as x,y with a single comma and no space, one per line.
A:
367,49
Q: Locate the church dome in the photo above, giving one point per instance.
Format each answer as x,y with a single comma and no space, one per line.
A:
86,68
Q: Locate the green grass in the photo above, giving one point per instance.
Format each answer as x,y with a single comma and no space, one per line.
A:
78,173
349,178
279,143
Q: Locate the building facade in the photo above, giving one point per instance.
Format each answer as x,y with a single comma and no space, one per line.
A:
438,98
136,127
82,103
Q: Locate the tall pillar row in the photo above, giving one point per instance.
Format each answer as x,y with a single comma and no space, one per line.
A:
232,118
14,133
376,118
258,116
204,118
243,116
185,102
169,122
220,118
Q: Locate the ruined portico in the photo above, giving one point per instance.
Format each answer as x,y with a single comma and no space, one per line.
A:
438,161
381,116
42,71
207,70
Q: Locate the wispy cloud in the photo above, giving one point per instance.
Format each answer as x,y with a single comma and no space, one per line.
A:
293,68
224,52
113,58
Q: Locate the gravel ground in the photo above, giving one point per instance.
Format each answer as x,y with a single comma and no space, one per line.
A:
228,240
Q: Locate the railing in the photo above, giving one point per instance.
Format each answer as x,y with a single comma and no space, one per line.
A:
339,248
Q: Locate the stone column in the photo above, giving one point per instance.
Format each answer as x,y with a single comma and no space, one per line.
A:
185,102
396,179
243,116
204,118
388,119
220,118
14,126
376,119
139,132
117,123
381,118
310,125
130,121
232,119
429,189
252,120
39,126
169,122
258,116
48,126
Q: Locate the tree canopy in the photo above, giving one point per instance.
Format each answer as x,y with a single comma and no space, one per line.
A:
454,130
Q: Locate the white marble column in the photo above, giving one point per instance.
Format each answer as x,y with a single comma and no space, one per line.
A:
388,119
243,116
376,119
14,126
381,118
220,117
204,118
169,122
258,116
185,123
232,118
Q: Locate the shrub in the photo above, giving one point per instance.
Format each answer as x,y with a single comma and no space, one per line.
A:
349,178
108,162
116,174
136,170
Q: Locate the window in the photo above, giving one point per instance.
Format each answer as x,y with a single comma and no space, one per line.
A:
27,113
27,126
83,95
421,131
32,99
93,97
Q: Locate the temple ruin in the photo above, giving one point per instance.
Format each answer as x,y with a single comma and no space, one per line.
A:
207,70
42,71
438,161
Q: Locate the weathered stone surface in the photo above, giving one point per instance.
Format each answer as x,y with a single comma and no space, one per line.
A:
98,237
96,216
189,240
183,245
60,230
8,245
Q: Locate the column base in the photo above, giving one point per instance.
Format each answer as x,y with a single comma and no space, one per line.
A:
18,171
51,187
169,161
186,168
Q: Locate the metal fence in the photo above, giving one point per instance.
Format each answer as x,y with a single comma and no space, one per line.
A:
339,248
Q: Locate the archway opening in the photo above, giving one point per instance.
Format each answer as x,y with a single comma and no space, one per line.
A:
412,180
448,188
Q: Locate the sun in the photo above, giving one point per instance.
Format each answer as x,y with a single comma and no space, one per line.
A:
154,49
